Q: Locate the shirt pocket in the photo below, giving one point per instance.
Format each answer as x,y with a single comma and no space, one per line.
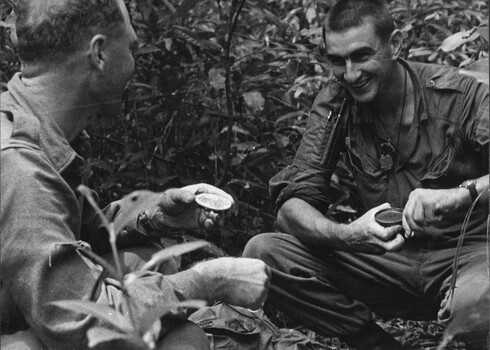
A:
360,161
442,166
371,180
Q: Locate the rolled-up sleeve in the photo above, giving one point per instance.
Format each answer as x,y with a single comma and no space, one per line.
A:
308,177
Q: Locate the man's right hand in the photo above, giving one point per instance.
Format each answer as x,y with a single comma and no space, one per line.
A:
367,236
237,281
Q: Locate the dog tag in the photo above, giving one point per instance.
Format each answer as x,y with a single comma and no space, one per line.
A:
386,162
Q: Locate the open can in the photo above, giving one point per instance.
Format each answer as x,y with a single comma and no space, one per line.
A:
389,217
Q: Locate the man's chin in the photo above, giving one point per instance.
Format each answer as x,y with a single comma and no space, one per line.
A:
364,95
364,98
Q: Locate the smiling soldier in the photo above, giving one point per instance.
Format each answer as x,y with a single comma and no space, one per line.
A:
415,136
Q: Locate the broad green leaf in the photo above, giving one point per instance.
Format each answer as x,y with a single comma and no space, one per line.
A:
310,14
254,101
194,38
102,312
9,22
170,252
137,156
290,115
185,7
144,6
168,43
307,32
235,128
147,49
216,78
398,9
420,51
98,335
483,31
456,40
101,164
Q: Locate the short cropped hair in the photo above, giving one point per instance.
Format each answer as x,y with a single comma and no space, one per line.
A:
49,30
346,14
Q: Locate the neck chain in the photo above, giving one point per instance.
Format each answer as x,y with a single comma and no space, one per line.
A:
387,149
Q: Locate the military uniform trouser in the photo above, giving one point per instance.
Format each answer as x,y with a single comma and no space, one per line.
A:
185,335
334,293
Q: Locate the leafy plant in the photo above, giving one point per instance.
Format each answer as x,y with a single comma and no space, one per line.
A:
179,127
141,326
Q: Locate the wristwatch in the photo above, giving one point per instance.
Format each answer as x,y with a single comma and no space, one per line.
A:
471,186
144,221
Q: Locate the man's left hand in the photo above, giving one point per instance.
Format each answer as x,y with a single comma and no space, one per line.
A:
177,209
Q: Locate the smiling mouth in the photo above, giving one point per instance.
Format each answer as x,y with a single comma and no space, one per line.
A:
360,85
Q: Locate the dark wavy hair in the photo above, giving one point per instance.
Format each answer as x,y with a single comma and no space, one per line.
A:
49,30
347,14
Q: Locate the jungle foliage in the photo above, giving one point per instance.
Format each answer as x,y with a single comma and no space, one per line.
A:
223,89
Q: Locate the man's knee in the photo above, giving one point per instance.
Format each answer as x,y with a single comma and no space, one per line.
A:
470,320
467,312
254,247
263,246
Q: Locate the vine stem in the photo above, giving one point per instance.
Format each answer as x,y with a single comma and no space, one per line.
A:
85,191
112,240
235,10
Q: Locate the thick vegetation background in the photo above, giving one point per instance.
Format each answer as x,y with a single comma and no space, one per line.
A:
221,95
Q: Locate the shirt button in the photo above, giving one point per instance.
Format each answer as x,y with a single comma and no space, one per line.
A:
431,84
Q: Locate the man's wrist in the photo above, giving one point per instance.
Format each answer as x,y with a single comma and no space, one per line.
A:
192,285
145,226
206,280
471,187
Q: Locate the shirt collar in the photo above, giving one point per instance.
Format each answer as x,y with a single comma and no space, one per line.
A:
52,140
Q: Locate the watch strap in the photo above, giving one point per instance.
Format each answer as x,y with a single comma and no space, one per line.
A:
472,188
144,222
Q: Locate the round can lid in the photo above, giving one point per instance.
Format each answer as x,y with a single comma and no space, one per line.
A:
213,201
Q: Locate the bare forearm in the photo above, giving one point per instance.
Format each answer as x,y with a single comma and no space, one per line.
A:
302,220
192,285
362,235
237,281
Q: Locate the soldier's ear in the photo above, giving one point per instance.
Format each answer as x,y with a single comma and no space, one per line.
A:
98,53
396,43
